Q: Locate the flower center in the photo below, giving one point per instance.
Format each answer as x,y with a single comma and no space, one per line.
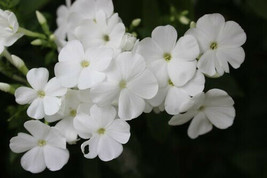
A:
213,45
123,84
73,113
41,94
170,83
85,63
167,56
201,108
106,38
41,143
101,131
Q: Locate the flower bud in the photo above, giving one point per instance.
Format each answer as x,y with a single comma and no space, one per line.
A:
19,64
4,87
40,17
37,42
128,42
136,22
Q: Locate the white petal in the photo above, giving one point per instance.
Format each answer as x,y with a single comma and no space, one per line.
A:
195,85
105,93
90,78
211,24
93,147
22,143
38,78
56,139
100,58
199,126
106,6
104,116
149,50
38,129
53,88
33,160
174,100
130,65
67,129
160,97
180,119
55,158
144,85
85,125
165,37
232,35
235,56
186,49
218,98
160,70
36,109
130,105
108,148
73,51
221,117
68,73
181,72
119,130
51,105
25,95
206,63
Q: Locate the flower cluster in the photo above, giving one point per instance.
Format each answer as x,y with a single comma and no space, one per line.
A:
105,77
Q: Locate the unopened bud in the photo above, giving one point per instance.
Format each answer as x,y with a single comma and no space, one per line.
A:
37,42
193,24
19,64
136,22
40,17
4,87
184,20
128,42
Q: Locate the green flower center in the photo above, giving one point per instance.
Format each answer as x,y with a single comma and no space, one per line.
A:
73,113
167,56
106,38
170,83
41,94
101,131
201,108
122,84
213,46
85,63
41,143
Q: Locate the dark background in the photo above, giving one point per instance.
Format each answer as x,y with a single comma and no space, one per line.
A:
156,149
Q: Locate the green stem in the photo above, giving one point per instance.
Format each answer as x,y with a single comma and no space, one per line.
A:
31,34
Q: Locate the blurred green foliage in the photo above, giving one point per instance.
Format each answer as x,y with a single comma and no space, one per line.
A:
156,149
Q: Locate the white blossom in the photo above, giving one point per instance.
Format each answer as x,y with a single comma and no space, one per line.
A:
105,132
45,147
128,83
9,29
213,108
220,43
43,97
82,68
168,58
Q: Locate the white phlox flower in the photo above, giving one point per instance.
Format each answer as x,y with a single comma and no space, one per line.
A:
105,132
9,29
68,111
128,42
168,58
173,97
43,97
82,68
106,32
220,43
45,147
71,16
128,83
213,108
